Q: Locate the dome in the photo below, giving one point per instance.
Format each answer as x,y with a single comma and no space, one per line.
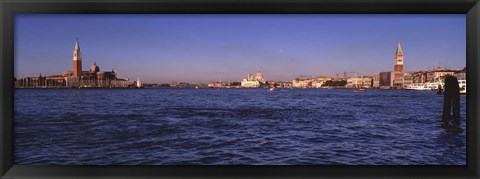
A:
259,76
94,68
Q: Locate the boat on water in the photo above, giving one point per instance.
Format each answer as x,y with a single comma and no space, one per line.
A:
360,90
417,86
274,89
421,86
437,87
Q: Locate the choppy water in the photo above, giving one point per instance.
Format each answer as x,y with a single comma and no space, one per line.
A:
233,126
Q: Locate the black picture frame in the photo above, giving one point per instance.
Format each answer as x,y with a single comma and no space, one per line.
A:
9,8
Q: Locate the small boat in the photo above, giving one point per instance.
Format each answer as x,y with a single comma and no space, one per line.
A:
274,89
196,87
360,90
418,86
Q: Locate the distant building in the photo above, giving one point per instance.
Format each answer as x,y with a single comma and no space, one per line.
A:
407,79
439,75
324,78
376,80
312,82
220,85
139,83
434,77
303,83
419,77
250,84
359,81
398,59
387,78
253,82
393,78
76,78
259,77
461,75
77,60
280,84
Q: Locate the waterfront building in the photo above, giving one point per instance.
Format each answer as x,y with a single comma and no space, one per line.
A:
393,78
326,78
303,83
439,75
461,74
219,85
403,82
387,78
282,84
216,84
359,81
250,84
250,77
139,83
279,84
311,82
430,76
419,77
407,79
376,80
253,82
76,78
433,76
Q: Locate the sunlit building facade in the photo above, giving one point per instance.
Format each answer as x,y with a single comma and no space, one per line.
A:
253,81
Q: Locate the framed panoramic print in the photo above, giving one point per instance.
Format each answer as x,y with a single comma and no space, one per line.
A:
239,89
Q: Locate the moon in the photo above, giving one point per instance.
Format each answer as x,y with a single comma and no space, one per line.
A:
281,51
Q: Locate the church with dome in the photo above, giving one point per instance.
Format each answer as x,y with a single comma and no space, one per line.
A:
93,78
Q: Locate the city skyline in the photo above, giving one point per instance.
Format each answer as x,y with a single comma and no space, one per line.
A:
205,48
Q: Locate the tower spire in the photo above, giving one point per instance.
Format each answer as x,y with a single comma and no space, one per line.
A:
77,46
399,48
77,60
398,60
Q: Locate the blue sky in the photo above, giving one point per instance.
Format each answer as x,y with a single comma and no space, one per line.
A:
204,48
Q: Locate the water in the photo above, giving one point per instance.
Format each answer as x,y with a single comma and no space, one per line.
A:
233,126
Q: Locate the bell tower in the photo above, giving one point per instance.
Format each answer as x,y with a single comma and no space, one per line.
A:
398,60
77,60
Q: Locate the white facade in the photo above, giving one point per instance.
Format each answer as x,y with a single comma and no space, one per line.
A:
363,81
440,75
250,84
139,83
302,83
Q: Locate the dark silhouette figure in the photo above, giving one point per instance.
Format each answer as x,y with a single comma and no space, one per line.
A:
451,100
439,89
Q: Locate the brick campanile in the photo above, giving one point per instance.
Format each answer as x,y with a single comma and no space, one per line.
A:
398,60
77,60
